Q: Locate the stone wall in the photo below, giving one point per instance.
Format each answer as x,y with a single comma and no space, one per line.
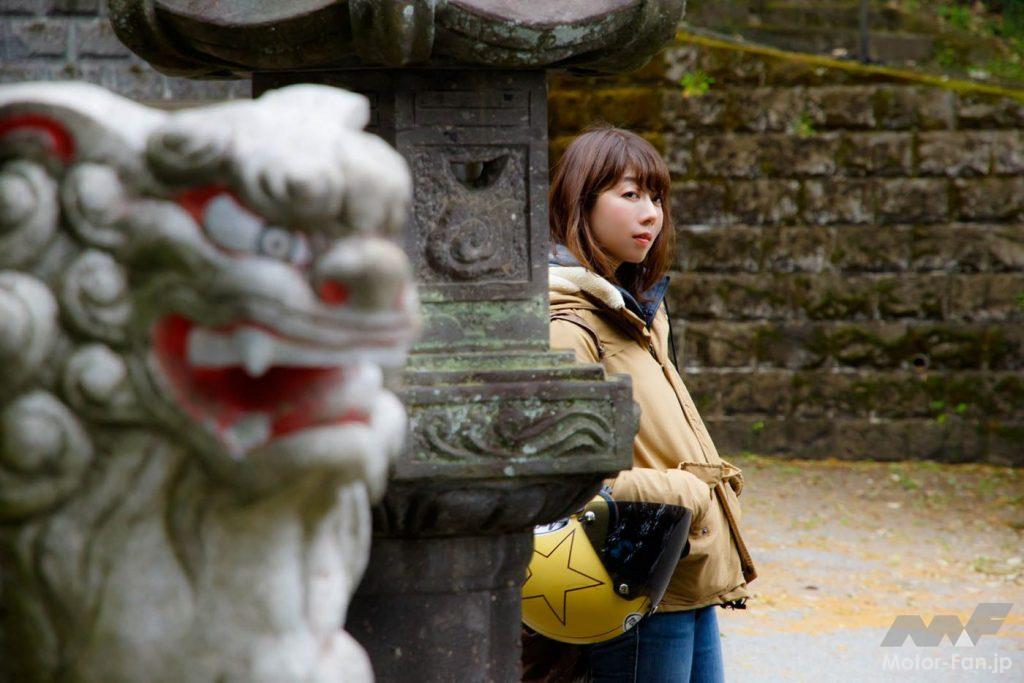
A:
850,272
50,40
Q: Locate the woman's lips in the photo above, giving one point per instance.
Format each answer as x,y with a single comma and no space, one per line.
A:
643,238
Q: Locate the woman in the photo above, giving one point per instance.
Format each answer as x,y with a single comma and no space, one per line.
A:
613,243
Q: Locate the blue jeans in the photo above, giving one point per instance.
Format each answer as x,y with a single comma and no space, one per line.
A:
669,647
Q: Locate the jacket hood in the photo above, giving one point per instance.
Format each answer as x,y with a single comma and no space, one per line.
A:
567,279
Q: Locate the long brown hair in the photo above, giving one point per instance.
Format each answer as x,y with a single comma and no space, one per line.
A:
592,163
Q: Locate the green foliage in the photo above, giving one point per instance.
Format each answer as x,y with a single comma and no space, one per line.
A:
757,427
957,16
695,83
803,126
1020,299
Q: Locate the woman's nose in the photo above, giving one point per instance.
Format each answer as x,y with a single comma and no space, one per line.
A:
649,210
363,273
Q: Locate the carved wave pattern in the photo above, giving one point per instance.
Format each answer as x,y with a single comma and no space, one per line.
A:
514,434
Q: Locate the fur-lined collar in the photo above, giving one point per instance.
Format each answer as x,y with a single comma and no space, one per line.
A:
573,279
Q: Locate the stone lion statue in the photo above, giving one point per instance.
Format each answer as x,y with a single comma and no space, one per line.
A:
197,310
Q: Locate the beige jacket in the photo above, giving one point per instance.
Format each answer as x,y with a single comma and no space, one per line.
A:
672,435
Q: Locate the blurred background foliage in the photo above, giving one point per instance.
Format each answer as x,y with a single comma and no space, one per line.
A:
980,40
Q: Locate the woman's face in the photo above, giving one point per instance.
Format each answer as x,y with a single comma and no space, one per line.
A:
626,220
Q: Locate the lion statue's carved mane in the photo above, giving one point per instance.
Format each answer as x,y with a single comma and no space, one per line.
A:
195,310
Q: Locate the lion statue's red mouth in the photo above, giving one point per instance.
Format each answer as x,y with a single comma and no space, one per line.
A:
251,386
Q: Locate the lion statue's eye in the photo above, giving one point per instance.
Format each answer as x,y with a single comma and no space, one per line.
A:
232,228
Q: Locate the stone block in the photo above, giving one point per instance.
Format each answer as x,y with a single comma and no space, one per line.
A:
33,38
699,203
828,296
920,297
1007,152
794,345
732,66
679,155
568,112
96,38
954,153
919,107
766,109
704,389
955,346
872,440
1005,246
876,154
1007,395
720,249
842,106
791,155
987,297
1004,443
978,110
638,109
988,198
796,249
868,344
871,248
81,7
820,393
838,201
752,435
950,248
729,297
766,392
20,7
912,200
718,344
707,111
761,202
1005,346
729,156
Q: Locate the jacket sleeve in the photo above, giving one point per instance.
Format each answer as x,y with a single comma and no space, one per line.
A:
566,335
674,487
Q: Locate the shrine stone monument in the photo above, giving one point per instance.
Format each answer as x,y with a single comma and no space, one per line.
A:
504,433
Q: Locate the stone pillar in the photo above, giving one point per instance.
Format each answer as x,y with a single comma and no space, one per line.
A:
505,434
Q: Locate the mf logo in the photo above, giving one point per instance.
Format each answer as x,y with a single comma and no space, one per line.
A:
986,620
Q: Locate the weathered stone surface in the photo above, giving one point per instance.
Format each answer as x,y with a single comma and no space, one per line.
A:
1007,152
795,249
987,297
767,109
718,249
792,345
765,201
877,154
700,203
842,107
950,248
954,154
730,156
32,38
989,198
790,156
976,110
921,297
912,201
718,344
679,155
683,113
924,108
96,38
874,248
838,201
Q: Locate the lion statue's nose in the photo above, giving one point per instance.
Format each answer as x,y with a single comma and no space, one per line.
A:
364,273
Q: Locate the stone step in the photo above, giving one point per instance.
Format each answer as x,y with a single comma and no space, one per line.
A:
885,46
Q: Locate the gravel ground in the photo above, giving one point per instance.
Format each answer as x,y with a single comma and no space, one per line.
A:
843,548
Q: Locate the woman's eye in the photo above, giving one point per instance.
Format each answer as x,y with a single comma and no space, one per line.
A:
656,199
631,195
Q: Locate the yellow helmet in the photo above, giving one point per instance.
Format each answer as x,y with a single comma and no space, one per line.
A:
594,575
